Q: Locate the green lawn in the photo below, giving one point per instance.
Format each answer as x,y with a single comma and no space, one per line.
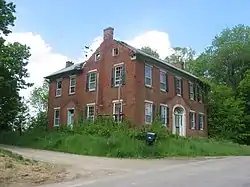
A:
114,140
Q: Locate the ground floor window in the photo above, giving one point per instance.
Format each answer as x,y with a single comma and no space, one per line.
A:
117,110
201,121
164,113
56,117
192,119
91,111
148,112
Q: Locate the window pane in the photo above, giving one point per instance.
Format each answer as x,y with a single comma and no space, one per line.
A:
148,81
162,77
147,71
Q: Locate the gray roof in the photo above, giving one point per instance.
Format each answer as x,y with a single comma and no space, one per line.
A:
157,59
81,65
77,66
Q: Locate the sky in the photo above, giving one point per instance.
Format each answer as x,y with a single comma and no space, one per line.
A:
57,31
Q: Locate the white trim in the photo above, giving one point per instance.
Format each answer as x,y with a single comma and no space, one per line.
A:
118,64
192,111
147,101
147,77
163,105
113,53
96,55
184,123
70,86
90,71
117,101
90,104
201,113
146,64
54,116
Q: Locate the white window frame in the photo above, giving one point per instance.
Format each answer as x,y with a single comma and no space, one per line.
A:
148,77
58,90
201,128
68,116
164,81
88,115
115,102
96,56
70,84
166,115
191,92
118,82
57,109
94,82
178,79
193,121
150,104
113,51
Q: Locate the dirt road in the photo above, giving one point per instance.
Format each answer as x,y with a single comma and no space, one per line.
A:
93,168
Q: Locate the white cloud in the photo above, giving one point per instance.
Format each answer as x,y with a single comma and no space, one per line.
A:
44,60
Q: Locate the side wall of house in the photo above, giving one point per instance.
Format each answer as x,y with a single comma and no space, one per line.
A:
169,98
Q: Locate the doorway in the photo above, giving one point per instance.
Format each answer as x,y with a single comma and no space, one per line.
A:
179,121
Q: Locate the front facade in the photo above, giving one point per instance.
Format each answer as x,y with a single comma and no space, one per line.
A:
119,79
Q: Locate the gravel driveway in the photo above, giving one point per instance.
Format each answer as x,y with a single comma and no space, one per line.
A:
93,168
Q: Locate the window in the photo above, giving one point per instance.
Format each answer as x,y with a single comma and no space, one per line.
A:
115,51
91,81
72,84
178,86
163,82
191,90
192,119
70,120
118,75
117,110
199,94
56,117
148,75
91,111
97,56
58,87
148,112
164,113
201,121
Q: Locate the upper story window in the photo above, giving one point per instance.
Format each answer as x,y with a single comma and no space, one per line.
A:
118,75
178,86
148,76
163,81
58,87
115,51
72,84
91,81
97,56
199,94
191,90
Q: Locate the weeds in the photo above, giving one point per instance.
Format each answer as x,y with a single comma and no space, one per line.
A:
104,137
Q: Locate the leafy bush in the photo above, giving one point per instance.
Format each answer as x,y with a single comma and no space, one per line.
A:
104,137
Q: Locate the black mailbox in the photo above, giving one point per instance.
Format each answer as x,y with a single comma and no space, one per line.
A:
150,138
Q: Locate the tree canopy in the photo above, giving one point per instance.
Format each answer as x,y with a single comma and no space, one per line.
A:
150,51
13,72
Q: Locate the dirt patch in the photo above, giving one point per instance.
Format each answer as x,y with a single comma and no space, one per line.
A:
17,171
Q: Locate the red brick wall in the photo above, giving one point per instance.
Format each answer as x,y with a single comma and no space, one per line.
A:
133,93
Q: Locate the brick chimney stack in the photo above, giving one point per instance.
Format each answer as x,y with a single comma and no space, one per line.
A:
69,63
108,33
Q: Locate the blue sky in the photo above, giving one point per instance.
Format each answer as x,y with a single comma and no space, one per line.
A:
69,25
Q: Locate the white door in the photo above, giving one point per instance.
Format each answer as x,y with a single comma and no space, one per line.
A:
179,122
70,117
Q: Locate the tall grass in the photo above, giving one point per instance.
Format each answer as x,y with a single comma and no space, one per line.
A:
104,137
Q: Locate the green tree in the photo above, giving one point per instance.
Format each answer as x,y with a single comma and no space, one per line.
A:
181,55
39,97
150,51
13,72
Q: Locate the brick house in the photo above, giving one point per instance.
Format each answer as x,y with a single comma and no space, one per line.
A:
119,78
